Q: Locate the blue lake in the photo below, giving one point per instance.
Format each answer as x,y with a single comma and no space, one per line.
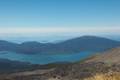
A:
45,58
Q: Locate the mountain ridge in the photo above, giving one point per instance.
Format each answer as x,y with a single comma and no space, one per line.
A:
75,45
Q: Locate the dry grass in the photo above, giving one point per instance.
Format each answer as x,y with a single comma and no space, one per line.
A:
107,76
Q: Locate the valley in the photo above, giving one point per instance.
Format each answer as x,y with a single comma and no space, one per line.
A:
98,67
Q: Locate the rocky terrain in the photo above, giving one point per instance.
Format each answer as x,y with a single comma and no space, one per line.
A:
105,66
110,56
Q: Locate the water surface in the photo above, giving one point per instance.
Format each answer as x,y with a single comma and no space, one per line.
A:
45,58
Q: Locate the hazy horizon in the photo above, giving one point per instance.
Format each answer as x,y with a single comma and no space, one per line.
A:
54,20
54,39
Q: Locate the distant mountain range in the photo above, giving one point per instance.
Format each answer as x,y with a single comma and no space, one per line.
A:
84,43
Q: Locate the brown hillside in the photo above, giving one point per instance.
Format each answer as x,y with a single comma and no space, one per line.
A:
110,56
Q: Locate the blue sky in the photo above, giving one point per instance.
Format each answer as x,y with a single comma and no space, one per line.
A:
58,18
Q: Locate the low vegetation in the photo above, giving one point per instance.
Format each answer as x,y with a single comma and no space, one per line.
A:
107,76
